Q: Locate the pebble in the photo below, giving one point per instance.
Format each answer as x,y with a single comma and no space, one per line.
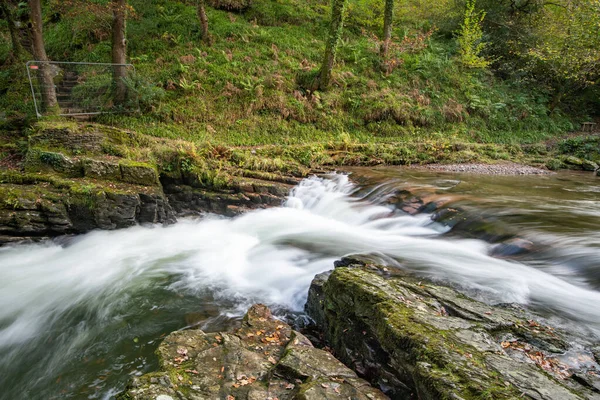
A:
488,169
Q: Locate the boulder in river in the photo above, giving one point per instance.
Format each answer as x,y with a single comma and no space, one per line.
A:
420,340
263,359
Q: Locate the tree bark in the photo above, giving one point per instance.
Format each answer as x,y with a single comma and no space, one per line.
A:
335,33
39,53
17,48
203,21
388,20
119,50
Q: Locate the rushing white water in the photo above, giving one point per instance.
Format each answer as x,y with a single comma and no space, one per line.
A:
265,256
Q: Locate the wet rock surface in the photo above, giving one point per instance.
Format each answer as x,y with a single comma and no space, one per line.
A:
263,359
187,197
415,339
34,212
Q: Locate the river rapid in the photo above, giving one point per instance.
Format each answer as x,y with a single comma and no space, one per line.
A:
78,317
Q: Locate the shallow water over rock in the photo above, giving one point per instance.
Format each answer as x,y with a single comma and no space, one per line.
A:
77,320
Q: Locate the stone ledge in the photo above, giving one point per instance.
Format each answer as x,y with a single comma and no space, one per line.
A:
431,342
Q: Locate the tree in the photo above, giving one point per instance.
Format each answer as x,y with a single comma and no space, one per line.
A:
470,38
388,19
567,52
39,53
6,12
203,21
335,33
119,50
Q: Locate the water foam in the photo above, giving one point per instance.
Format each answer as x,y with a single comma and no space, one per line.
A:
267,256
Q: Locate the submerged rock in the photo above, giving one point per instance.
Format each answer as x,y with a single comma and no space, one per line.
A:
263,359
420,340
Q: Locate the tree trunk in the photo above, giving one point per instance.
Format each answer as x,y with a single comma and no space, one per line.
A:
119,50
17,48
388,20
203,21
39,53
335,33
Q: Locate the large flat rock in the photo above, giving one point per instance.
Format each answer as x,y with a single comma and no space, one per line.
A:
263,359
421,340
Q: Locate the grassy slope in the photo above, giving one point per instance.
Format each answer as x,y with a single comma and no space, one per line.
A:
242,91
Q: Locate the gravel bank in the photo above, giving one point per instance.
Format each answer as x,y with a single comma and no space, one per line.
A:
486,169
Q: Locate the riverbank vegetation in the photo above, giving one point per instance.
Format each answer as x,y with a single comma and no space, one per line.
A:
484,72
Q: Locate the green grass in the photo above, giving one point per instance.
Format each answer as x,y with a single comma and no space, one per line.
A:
244,91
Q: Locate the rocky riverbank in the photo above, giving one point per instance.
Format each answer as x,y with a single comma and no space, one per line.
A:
505,168
71,183
415,339
73,178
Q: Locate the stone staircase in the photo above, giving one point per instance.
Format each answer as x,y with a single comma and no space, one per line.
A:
64,95
64,92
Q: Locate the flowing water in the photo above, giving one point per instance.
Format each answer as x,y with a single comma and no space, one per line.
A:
78,318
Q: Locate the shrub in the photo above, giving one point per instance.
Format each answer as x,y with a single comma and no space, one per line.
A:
470,38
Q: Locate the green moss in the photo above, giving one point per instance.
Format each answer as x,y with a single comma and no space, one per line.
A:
450,363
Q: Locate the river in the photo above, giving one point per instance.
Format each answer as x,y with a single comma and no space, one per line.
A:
79,317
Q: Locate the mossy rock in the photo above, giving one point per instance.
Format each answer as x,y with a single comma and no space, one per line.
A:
263,359
427,341
38,160
138,173
588,165
99,169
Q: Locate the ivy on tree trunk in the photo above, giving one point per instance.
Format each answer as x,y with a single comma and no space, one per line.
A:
119,49
17,48
203,21
335,33
39,53
388,19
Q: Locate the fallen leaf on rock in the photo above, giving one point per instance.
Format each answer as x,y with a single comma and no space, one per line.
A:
271,360
182,351
290,386
324,385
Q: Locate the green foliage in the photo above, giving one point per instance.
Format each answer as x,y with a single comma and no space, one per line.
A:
470,38
142,94
586,147
255,85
